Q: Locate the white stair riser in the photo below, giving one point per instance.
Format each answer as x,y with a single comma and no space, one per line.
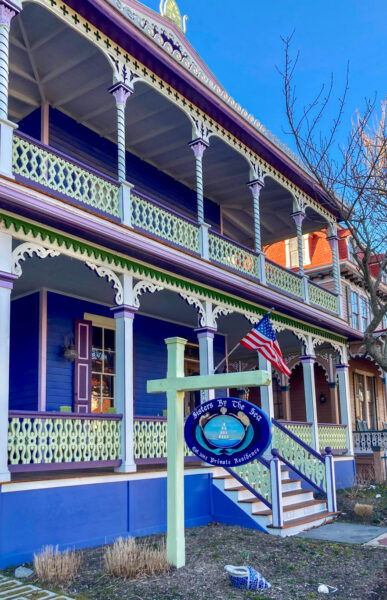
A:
298,528
291,485
297,498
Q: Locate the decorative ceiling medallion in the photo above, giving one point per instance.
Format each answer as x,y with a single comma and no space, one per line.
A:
169,9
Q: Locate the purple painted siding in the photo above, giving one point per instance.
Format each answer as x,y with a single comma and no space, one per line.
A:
150,359
24,353
62,312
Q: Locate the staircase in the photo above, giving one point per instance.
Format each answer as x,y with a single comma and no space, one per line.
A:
250,487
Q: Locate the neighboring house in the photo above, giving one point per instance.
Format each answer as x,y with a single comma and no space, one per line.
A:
366,379
125,219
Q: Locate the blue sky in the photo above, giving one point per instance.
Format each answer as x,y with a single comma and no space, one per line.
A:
240,42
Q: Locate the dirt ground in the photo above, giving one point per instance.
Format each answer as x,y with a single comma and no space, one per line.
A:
364,494
294,566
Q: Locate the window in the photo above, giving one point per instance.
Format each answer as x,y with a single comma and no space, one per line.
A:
291,247
355,310
363,314
103,369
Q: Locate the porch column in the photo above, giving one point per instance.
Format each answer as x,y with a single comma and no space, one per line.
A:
121,93
298,217
334,243
198,146
124,316
206,357
8,10
6,284
255,186
345,403
267,402
335,412
285,393
310,397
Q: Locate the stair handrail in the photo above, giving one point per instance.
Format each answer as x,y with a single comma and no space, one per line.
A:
305,446
249,487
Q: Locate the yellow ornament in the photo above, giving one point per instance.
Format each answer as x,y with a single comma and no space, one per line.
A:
170,10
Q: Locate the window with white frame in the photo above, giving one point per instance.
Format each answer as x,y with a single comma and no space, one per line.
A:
291,248
363,314
355,309
103,363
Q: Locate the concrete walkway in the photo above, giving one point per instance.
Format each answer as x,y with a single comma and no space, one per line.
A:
17,590
348,533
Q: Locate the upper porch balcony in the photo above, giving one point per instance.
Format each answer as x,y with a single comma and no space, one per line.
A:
195,187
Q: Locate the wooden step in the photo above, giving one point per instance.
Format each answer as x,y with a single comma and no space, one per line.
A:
291,507
307,519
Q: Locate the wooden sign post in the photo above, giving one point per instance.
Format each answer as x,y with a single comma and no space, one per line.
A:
175,384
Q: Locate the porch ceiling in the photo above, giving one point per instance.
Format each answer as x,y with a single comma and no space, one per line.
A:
52,63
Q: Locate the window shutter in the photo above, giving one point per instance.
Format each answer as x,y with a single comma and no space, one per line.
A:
349,305
82,366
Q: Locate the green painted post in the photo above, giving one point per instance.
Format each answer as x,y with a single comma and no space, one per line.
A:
175,445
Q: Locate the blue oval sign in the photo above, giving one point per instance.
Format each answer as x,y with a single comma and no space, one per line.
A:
227,432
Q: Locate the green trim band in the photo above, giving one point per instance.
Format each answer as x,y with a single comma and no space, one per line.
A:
143,270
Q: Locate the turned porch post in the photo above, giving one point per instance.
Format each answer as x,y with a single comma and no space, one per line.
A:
255,187
298,217
8,10
124,315
310,397
334,243
198,146
6,284
121,93
206,357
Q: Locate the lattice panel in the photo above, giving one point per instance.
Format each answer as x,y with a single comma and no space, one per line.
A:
231,255
257,476
300,457
335,437
50,440
304,432
48,169
150,440
321,297
283,280
164,224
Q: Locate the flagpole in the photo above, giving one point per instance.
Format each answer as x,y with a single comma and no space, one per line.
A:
236,345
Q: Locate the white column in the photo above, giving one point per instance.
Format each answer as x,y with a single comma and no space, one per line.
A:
345,403
267,402
331,480
310,397
276,489
7,11
124,316
121,93
6,284
333,241
206,357
255,186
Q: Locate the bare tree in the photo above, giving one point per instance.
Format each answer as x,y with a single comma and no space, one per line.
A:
353,174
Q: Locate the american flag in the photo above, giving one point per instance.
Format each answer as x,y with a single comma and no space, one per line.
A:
262,338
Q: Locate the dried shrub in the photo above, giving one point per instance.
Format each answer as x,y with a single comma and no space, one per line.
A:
125,558
56,567
363,510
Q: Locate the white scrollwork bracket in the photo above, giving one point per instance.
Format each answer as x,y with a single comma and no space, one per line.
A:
111,277
144,286
29,249
219,311
192,301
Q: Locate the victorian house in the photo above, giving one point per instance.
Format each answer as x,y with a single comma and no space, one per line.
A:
137,199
